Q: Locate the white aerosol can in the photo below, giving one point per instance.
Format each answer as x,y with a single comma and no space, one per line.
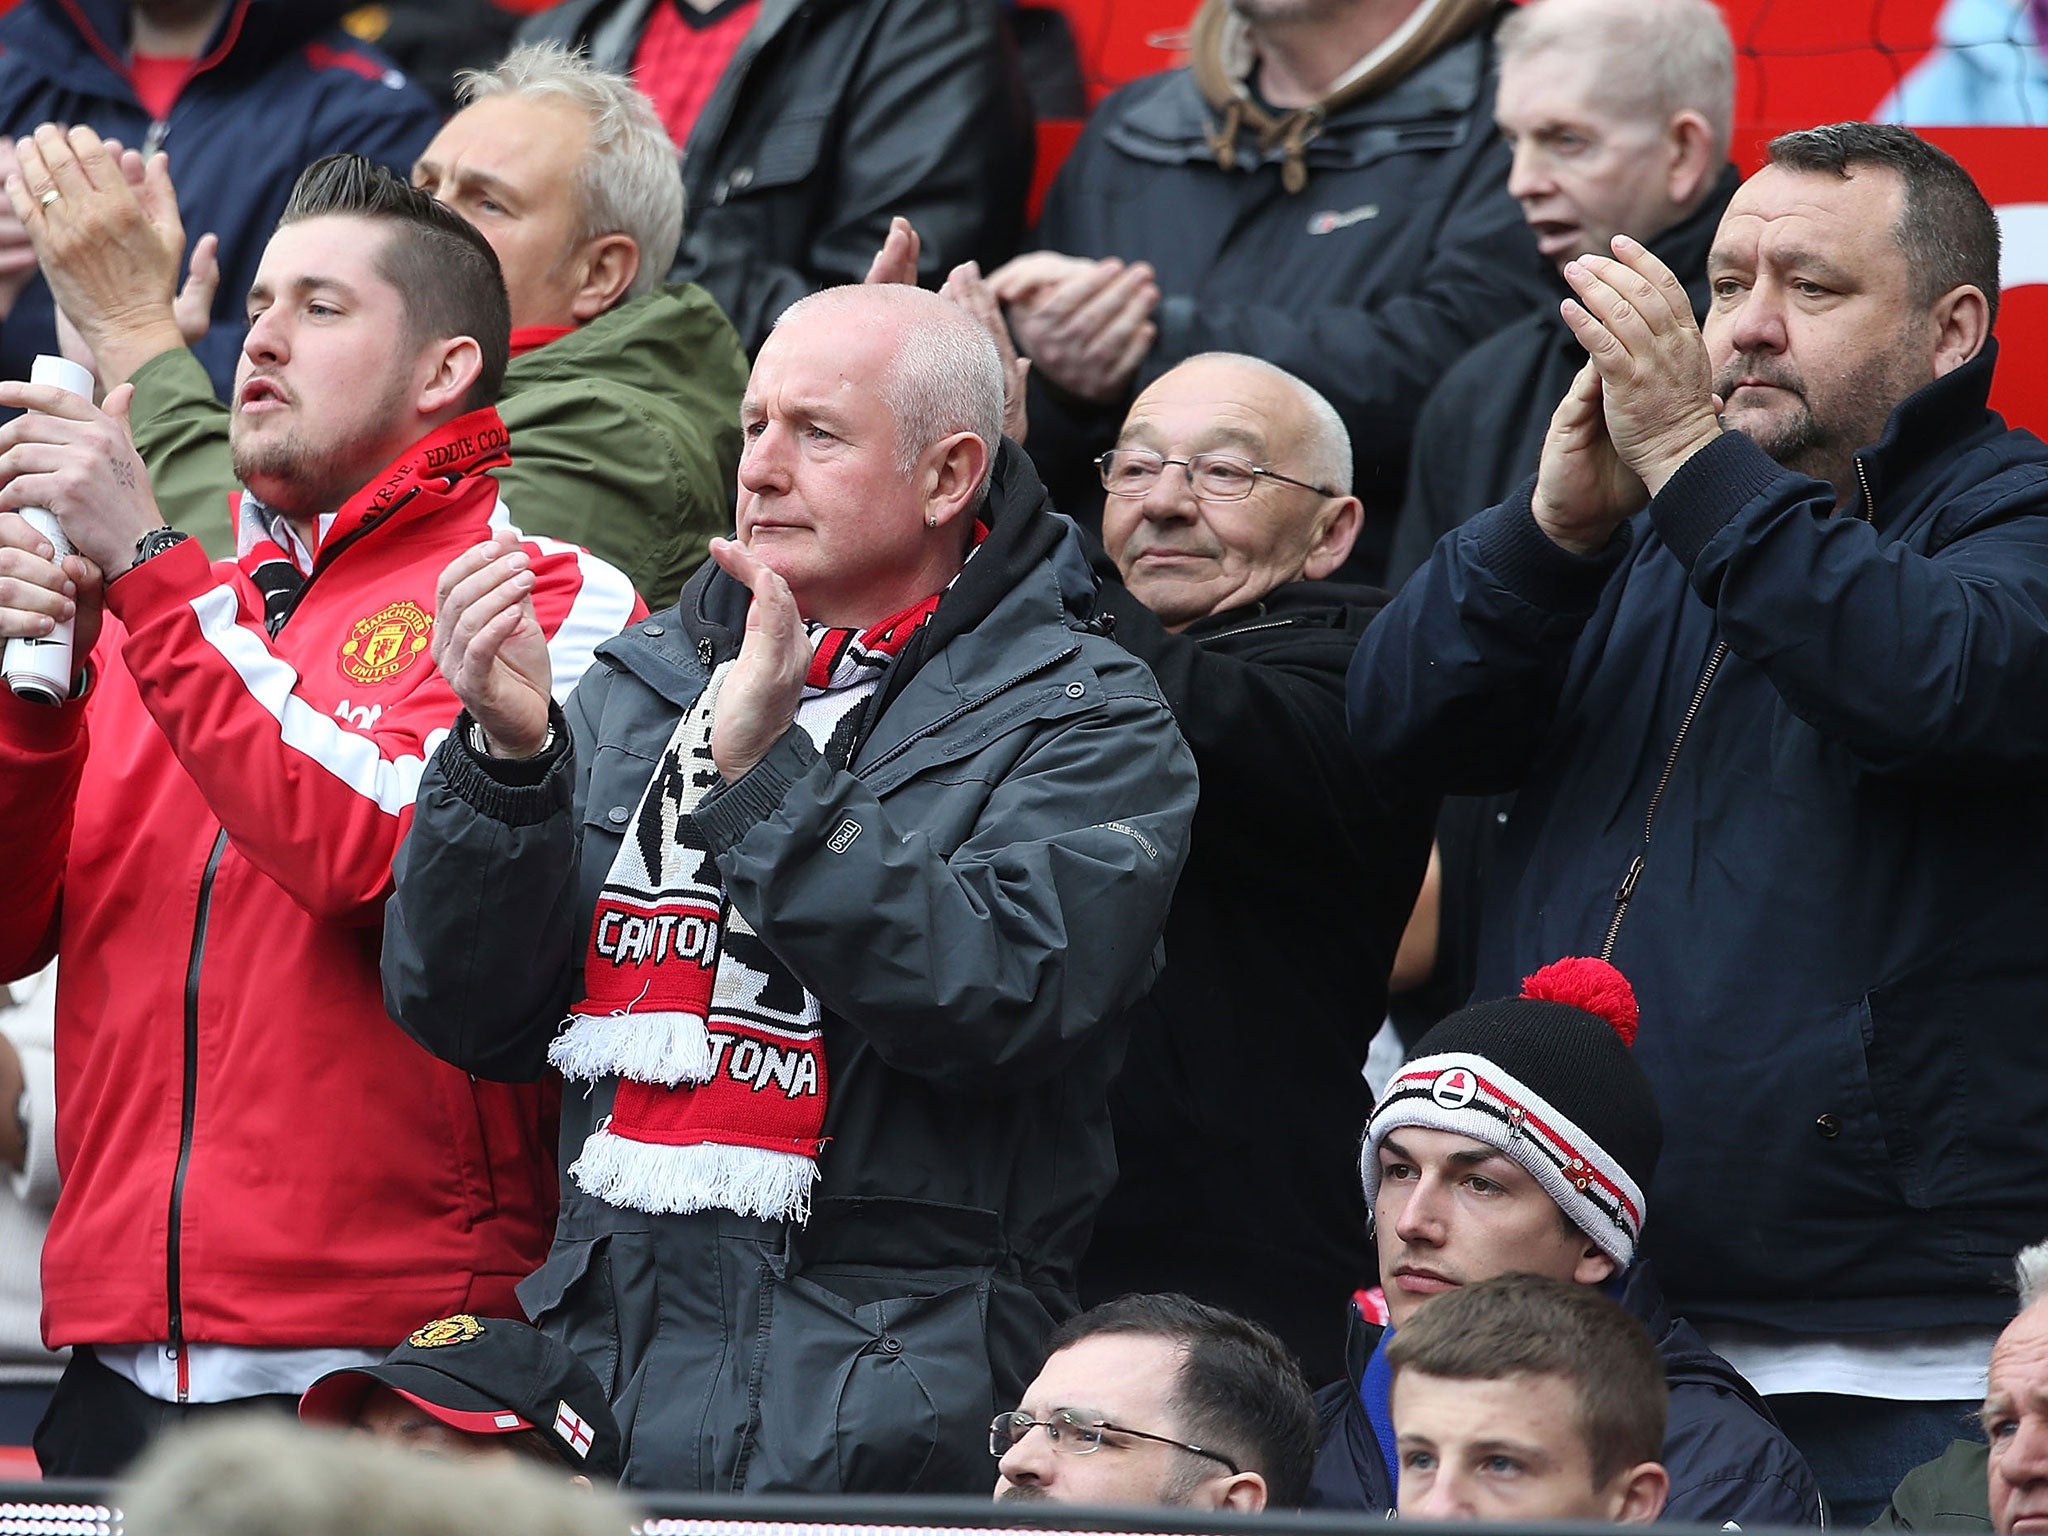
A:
39,668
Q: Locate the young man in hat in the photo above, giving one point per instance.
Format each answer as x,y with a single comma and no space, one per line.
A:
1520,1138
469,1387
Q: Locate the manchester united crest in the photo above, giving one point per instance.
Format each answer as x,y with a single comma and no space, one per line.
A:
386,643
459,1329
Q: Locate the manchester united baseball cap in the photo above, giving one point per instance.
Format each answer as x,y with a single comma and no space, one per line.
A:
486,1376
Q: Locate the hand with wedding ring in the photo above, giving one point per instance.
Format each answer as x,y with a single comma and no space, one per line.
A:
17,253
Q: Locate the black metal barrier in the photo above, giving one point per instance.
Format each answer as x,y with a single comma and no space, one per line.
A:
87,1509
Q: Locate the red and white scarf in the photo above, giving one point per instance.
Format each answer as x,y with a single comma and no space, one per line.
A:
718,1048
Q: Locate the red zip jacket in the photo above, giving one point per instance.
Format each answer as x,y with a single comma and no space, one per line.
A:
252,1152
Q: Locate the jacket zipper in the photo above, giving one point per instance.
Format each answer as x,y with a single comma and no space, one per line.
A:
174,1249
1625,892
966,709
175,1239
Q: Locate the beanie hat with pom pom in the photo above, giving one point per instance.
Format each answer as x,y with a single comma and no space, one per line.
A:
1548,1079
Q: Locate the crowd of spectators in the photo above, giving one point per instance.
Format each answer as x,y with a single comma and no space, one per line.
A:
724,824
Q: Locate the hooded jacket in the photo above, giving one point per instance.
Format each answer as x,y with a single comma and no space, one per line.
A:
625,438
974,901
1243,1089
1834,921
252,1153
1401,251
1729,1462
277,86
834,116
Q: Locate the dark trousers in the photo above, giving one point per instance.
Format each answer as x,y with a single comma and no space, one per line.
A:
99,1421
1859,1447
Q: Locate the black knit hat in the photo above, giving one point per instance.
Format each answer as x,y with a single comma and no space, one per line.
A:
1549,1079
486,1376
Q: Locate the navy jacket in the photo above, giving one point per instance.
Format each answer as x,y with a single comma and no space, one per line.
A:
279,85
1727,1457
1835,927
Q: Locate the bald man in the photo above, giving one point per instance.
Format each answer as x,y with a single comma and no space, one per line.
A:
1229,506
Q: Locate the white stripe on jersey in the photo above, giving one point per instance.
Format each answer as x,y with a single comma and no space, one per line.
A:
391,784
602,606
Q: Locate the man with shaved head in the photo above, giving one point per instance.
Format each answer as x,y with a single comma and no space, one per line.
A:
843,871
1229,508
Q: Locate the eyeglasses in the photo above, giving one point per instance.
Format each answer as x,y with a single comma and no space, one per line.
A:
1073,1435
1214,476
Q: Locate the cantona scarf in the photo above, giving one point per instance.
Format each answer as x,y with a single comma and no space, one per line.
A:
718,1048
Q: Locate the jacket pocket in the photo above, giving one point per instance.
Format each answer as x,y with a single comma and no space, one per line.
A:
890,1395
1914,1049
787,155
571,1296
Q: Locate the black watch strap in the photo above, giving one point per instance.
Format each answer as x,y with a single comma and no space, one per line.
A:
154,543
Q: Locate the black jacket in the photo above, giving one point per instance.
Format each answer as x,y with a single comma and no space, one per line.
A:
1482,427
833,116
1019,809
280,84
1727,1457
1835,923
1242,1089
1402,251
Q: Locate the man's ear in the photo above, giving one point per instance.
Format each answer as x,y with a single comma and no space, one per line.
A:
1960,323
1337,526
1242,1493
1639,1494
1594,1266
1689,149
953,471
452,368
610,263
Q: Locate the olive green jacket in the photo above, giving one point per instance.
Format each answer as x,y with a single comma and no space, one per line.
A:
625,438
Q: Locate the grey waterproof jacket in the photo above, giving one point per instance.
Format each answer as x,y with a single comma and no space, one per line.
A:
975,902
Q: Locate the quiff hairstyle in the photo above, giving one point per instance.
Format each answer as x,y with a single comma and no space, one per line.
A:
446,275
628,181
1239,1390
1530,1325
1947,230
1670,56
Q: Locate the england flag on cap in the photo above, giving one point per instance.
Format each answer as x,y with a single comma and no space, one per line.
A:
573,1428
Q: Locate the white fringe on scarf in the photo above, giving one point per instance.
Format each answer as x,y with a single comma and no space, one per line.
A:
710,1175
666,1048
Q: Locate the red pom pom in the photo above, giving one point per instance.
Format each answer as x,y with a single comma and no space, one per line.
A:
1592,985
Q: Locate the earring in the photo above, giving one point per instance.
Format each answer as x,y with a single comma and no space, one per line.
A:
931,519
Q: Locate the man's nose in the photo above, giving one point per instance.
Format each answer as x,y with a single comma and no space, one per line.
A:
1528,172
1757,323
1420,1218
266,341
1442,1497
1171,497
2025,1459
764,460
1028,1461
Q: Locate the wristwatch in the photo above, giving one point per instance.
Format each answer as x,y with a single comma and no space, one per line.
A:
154,543
479,746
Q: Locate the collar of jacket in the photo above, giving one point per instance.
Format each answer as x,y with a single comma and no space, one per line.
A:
1432,107
1296,604
1223,58
1027,543
434,471
83,44
1929,429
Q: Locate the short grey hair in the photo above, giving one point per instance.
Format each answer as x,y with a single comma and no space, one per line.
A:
2030,1273
258,1475
1670,56
629,181
946,376
1326,442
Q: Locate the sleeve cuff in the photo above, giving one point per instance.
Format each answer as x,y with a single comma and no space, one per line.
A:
1529,564
517,792
729,811
1708,490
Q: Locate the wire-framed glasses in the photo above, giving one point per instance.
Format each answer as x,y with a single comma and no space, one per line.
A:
1214,476
1072,1435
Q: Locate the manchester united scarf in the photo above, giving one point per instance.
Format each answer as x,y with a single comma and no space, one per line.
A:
717,1047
